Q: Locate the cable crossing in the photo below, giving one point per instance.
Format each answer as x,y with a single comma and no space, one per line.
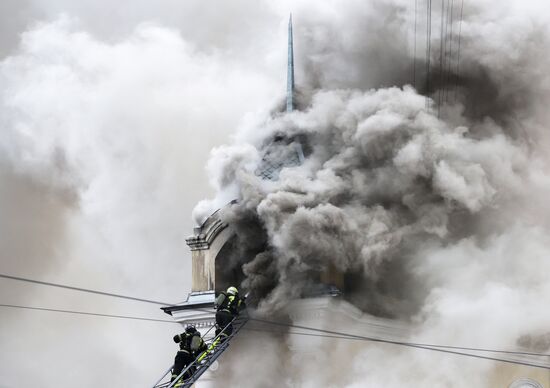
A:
339,336
348,337
458,51
440,82
441,60
428,50
415,39
320,332
406,344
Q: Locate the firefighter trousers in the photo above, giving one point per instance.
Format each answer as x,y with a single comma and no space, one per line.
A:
224,318
182,360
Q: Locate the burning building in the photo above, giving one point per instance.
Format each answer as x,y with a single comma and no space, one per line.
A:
335,228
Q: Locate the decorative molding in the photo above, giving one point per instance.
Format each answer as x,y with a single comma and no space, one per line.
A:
206,233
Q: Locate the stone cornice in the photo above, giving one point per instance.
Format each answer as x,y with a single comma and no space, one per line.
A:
206,233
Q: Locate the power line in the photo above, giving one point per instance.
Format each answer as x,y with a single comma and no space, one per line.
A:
458,51
348,337
336,335
414,56
450,60
441,59
428,49
84,290
445,50
86,313
333,334
406,344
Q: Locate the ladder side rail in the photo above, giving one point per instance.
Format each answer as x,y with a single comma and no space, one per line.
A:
209,360
157,384
213,342
163,376
208,331
204,367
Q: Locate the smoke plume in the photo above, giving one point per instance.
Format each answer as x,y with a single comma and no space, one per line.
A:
438,215
103,122
430,197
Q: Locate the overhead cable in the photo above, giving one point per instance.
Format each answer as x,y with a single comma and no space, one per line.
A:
450,58
332,334
335,335
458,51
406,344
348,337
428,50
441,59
414,53
84,290
86,313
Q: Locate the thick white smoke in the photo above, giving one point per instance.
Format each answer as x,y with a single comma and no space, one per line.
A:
440,208
101,147
105,121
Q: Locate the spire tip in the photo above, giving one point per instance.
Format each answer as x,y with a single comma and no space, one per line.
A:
290,70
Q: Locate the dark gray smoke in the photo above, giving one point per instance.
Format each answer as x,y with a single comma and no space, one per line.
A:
384,178
107,114
433,208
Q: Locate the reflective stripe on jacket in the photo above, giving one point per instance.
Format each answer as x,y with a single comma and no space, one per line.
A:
231,304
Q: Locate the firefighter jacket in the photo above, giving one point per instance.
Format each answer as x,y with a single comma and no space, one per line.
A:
232,304
192,344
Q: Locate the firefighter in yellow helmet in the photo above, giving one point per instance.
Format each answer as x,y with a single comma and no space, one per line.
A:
228,305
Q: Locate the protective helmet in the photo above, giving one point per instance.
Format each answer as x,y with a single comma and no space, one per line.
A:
190,330
232,291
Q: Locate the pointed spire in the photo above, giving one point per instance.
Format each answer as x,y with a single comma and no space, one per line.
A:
290,70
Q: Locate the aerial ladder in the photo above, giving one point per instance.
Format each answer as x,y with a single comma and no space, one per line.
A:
216,345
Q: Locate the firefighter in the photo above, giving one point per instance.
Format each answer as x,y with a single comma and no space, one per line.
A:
228,305
191,345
